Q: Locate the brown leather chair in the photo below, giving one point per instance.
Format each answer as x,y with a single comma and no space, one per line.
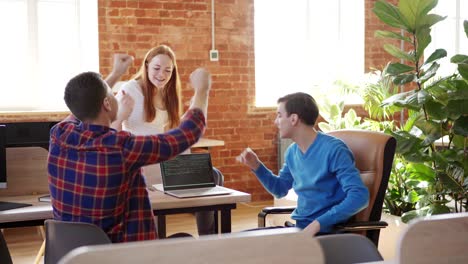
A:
373,153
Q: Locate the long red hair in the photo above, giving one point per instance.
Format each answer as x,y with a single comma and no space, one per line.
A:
170,93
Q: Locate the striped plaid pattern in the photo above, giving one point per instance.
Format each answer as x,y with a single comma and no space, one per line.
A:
95,176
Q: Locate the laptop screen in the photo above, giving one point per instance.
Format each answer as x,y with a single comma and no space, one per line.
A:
187,171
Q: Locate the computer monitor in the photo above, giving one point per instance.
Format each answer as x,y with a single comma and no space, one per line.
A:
3,175
22,134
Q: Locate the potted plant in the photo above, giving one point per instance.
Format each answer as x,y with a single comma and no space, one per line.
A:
436,110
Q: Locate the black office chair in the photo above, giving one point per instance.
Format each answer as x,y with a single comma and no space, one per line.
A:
373,153
62,237
5,257
348,248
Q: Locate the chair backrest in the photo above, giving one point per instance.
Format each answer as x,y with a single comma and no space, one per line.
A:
373,153
348,248
62,237
5,257
436,239
265,246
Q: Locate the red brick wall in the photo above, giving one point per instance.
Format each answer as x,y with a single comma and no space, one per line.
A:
376,56
135,26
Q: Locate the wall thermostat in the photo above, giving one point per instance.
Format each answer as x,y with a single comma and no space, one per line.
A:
214,55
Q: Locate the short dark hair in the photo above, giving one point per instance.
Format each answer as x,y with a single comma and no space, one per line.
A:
303,105
84,95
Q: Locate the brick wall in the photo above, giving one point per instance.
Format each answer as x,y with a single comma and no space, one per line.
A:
135,26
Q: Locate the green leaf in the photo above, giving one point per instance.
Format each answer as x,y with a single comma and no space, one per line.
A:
408,216
450,183
404,79
436,110
412,197
463,70
429,20
465,25
459,141
457,108
389,14
431,130
334,112
431,72
423,37
398,68
421,172
459,58
460,126
437,54
398,53
325,127
415,10
435,209
392,35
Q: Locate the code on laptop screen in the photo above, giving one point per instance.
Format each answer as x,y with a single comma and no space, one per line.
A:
187,171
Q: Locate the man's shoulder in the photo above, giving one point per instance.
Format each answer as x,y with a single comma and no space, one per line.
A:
331,140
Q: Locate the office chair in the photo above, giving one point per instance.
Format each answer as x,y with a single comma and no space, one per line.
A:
348,248
373,153
62,237
435,239
5,257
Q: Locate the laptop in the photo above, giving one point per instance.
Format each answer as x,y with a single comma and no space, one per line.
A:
189,175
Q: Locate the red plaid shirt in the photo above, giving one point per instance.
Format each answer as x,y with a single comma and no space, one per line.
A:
95,175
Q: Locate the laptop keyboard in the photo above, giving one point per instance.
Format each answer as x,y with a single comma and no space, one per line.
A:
200,191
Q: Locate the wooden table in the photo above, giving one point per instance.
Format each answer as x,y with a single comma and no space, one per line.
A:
207,143
164,204
161,203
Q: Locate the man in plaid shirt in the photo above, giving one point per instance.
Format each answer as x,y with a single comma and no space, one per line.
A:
94,170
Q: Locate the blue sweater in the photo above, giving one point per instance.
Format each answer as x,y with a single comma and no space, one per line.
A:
327,183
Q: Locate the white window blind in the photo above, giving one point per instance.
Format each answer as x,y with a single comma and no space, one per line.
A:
306,46
44,44
449,34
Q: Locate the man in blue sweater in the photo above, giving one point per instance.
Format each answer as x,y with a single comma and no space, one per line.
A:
319,167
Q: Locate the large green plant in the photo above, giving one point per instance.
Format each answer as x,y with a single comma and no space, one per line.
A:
436,108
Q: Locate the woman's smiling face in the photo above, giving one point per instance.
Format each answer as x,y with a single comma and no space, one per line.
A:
160,70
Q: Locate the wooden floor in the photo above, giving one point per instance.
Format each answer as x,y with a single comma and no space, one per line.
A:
24,243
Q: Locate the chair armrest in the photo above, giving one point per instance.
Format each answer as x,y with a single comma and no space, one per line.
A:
273,210
357,226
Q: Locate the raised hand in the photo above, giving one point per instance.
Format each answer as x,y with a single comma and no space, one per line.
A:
121,63
249,158
200,80
126,106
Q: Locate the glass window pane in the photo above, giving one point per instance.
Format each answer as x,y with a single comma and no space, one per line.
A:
58,49
48,45
306,46
15,61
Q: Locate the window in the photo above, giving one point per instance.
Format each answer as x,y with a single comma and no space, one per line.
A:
306,46
44,44
449,33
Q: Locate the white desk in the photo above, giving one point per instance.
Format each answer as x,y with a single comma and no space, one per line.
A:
161,203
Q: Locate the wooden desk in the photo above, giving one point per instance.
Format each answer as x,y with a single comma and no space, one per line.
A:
161,203
164,204
207,143
27,216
